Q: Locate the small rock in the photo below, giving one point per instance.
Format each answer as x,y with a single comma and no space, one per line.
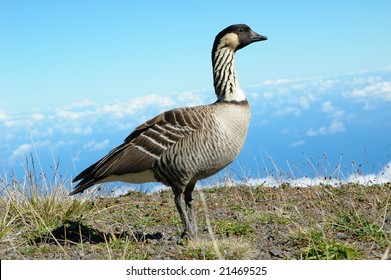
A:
240,218
274,252
341,235
270,238
10,254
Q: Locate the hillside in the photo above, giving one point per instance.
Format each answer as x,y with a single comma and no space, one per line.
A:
319,222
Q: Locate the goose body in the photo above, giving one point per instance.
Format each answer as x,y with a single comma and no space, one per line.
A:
183,145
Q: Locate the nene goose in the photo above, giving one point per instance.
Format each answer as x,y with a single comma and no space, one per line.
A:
181,146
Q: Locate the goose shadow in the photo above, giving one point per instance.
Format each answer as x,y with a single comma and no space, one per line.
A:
73,232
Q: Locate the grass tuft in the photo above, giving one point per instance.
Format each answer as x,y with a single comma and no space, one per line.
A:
317,246
233,248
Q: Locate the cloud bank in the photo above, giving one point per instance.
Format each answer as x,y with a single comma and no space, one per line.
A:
288,114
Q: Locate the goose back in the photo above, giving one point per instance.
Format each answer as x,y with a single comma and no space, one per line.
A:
209,149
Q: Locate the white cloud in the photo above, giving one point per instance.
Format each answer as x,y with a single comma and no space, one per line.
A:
320,131
336,98
304,102
37,117
74,115
297,143
285,130
311,107
49,132
82,130
370,92
25,149
20,151
154,99
94,146
335,126
116,110
70,129
327,107
287,111
135,106
267,94
3,115
263,122
197,97
83,103
386,171
61,144
12,123
277,82
338,114
382,177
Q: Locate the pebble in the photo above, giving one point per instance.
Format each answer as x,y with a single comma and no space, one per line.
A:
274,252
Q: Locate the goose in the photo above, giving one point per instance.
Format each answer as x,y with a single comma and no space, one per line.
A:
183,145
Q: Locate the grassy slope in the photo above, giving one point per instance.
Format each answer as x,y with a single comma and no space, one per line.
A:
319,222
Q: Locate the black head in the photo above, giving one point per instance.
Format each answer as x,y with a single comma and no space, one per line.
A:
236,36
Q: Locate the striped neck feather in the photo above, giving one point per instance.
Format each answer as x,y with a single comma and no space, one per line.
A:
225,80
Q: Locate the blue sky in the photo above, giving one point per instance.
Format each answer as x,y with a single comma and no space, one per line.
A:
78,76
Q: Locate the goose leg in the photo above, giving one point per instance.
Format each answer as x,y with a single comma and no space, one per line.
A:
190,208
180,205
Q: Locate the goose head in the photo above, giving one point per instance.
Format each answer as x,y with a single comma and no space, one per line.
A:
236,37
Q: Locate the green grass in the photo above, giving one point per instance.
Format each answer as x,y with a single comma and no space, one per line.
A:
229,227
319,247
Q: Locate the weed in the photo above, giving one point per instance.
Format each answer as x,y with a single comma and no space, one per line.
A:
359,227
232,248
268,217
232,227
319,247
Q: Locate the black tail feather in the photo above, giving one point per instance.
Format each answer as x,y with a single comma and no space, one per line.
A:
81,186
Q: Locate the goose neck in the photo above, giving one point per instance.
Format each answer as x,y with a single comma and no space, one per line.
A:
226,83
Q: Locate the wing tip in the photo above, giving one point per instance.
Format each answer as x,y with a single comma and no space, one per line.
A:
81,186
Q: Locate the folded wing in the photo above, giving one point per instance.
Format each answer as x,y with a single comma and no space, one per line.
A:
146,144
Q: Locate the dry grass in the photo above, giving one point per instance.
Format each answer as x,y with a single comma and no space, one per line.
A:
40,221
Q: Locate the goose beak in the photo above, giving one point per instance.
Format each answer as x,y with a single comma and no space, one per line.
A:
255,37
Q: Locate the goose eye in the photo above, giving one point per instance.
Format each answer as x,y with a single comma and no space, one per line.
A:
241,30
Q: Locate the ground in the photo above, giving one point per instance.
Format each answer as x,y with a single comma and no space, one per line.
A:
320,222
